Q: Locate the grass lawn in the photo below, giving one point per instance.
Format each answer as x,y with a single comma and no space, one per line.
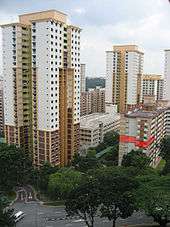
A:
161,165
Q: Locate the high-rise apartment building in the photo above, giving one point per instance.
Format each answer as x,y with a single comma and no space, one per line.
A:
41,67
124,66
85,103
143,129
17,84
153,85
1,109
93,101
83,77
167,75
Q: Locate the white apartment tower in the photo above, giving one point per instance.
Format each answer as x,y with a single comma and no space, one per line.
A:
167,75
42,78
124,66
83,77
153,85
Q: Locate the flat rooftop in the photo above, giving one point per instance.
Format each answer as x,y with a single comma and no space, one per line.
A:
145,114
43,15
91,121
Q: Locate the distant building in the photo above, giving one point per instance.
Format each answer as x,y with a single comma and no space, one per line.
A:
83,77
144,129
85,103
153,84
1,109
92,101
94,126
124,67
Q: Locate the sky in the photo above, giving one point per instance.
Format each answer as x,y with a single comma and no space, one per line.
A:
105,23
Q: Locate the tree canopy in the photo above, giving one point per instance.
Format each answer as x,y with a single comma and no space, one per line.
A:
117,195
62,182
84,201
6,218
154,197
137,159
165,154
83,164
16,167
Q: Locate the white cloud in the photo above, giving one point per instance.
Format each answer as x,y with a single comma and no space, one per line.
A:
149,33
104,24
80,11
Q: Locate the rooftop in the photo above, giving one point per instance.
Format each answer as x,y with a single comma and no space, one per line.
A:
152,77
43,15
93,120
55,15
145,114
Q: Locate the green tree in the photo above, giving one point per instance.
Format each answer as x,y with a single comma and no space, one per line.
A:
117,195
111,157
44,173
62,182
137,159
100,147
84,201
91,153
111,138
16,167
165,148
154,197
166,169
83,164
6,218
93,82
165,154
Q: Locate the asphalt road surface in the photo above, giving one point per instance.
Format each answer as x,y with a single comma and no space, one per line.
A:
25,194
37,215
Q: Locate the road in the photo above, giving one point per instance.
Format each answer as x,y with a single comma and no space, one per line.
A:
37,215
25,194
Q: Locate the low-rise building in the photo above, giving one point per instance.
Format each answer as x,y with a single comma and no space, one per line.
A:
94,126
